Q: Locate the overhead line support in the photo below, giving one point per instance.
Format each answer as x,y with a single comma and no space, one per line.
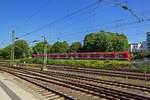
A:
45,54
13,48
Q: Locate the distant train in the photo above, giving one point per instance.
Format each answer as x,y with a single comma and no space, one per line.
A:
88,55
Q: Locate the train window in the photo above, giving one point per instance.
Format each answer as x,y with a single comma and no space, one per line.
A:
80,55
101,56
106,55
73,55
92,56
69,55
62,56
95,55
121,56
88,56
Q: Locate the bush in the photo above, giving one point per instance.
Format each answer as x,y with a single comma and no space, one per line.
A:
143,67
143,54
106,64
102,64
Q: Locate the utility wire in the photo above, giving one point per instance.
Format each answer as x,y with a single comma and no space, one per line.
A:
62,18
127,9
131,12
74,13
114,21
34,41
34,14
81,33
111,27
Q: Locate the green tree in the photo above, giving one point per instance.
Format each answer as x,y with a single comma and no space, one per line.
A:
22,49
38,48
49,48
60,47
75,46
120,42
5,52
105,42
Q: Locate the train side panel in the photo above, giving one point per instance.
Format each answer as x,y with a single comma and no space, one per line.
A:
88,55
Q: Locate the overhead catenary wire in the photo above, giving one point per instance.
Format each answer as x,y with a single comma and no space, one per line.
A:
34,14
132,13
62,18
114,21
71,14
110,27
124,24
125,7
78,34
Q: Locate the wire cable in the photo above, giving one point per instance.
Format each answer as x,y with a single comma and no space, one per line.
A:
61,18
34,14
125,7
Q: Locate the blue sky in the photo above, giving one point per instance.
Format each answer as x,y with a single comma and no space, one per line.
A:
28,15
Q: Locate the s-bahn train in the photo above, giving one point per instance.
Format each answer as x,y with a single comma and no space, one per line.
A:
88,55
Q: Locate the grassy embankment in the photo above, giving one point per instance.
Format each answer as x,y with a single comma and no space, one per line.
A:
102,64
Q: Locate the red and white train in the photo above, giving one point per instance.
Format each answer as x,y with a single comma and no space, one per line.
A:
88,55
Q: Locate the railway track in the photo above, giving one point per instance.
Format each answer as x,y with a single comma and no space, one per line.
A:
92,85
43,89
53,81
112,73
97,81
92,79
130,75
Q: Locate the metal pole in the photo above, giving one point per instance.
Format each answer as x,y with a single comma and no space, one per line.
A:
45,54
13,48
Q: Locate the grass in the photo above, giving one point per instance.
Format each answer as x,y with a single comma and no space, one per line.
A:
125,80
104,64
143,67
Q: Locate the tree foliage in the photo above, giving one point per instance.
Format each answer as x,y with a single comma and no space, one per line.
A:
60,47
21,49
93,42
38,48
105,42
75,46
5,52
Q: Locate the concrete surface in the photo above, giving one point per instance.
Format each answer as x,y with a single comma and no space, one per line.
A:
11,91
3,95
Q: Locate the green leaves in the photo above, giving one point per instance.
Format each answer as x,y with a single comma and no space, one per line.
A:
105,42
75,46
38,48
113,64
22,49
60,47
5,52
93,42
142,54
